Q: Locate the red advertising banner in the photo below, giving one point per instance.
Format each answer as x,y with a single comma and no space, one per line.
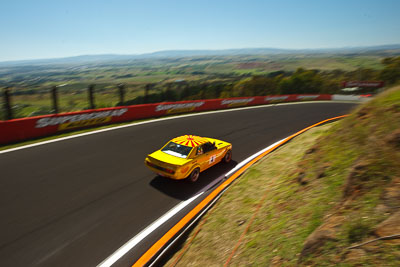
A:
373,84
34,127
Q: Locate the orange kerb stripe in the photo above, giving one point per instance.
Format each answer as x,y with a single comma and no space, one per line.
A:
149,254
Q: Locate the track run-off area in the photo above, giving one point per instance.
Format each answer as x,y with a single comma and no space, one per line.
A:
76,201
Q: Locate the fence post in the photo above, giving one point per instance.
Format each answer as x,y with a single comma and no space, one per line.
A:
54,97
121,88
146,92
91,96
7,104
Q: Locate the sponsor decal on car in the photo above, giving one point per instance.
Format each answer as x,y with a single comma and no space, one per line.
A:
236,102
80,120
179,108
212,159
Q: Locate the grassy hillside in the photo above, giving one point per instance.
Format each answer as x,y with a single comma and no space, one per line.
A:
311,201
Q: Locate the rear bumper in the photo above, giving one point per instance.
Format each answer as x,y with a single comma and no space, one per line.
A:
159,170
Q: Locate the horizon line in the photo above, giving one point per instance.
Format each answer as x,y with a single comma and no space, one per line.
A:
197,50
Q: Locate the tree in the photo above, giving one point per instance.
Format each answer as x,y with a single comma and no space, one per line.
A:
256,86
391,73
302,82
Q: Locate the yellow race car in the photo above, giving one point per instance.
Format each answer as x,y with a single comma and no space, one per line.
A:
188,155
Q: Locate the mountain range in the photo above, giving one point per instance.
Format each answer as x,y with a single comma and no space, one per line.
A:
393,49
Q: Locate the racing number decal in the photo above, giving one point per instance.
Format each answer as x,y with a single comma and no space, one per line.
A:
212,159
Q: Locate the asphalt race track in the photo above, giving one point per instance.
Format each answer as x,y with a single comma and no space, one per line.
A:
74,202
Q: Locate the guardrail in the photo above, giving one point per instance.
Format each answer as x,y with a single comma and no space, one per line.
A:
40,126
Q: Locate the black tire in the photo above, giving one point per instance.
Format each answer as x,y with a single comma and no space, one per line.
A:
194,175
228,156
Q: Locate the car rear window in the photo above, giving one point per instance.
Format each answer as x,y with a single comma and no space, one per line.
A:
177,150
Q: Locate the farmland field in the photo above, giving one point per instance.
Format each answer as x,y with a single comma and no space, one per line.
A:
31,83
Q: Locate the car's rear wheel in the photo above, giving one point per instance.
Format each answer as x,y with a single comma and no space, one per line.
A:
194,175
228,156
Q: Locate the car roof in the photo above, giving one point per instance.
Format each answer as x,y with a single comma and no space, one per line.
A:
190,140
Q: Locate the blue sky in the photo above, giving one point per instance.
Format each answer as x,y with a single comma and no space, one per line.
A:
32,29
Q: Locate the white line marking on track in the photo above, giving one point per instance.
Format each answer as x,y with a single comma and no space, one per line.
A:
143,234
244,162
184,231
139,237
237,167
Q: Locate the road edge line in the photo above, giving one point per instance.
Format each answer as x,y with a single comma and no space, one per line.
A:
155,249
